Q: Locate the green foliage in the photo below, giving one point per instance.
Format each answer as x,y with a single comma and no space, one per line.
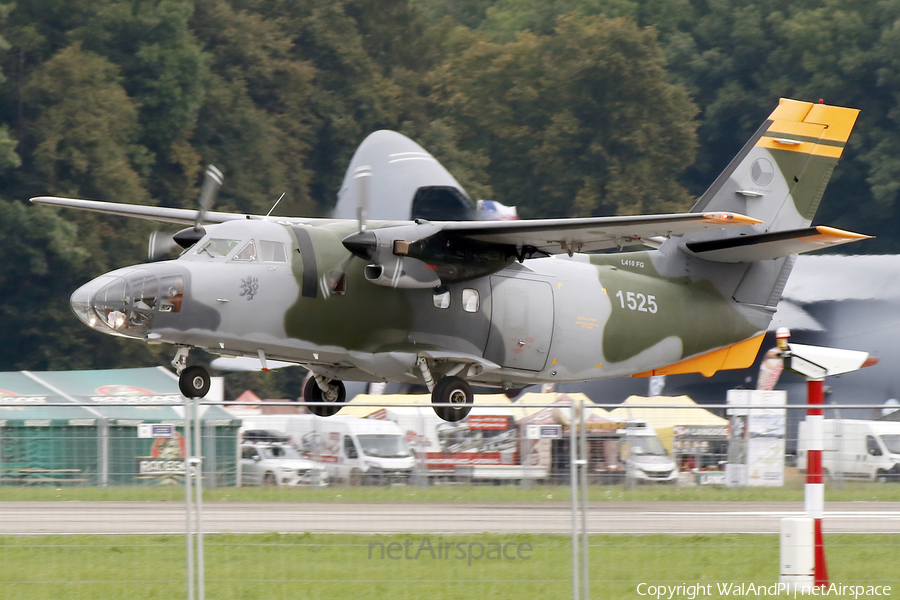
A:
583,121
84,127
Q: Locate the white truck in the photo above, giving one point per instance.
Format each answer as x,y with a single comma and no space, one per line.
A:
855,449
483,446
353,451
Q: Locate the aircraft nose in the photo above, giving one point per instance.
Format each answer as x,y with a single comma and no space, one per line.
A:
124,302
81,300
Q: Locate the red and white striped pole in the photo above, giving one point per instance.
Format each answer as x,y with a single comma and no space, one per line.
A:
814,491
814,363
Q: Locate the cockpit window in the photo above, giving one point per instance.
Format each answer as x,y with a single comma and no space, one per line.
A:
216,247
272,251
247,253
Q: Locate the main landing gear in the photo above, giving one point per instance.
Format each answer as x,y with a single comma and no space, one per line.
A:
192,381
322,389
449,390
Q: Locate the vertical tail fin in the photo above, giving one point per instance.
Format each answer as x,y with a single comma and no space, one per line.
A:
780,174
778,177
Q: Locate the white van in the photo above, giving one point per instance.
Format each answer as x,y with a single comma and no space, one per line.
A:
645,456
353,450
856,449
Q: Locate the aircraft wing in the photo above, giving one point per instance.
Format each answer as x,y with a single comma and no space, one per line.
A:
556,236
160,214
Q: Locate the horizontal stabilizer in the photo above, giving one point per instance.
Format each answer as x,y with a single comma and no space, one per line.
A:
766,246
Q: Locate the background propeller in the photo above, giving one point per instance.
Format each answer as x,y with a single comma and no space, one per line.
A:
362,243
161,243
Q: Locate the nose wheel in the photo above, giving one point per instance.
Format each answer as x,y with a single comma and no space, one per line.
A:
192,381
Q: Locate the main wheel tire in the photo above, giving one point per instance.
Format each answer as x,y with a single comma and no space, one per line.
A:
456,391
194,382
313,393
269,480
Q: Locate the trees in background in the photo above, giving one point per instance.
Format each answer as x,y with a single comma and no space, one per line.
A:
560,107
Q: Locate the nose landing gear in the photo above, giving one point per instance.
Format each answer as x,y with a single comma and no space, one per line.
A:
192,381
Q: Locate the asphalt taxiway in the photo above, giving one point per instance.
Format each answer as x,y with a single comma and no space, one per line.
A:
35,518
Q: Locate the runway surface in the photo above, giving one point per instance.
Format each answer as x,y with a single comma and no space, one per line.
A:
31,518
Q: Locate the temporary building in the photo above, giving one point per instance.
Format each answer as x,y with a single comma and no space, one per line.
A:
82,427
665,413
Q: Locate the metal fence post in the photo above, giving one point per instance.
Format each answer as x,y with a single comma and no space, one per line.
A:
583,462
573,485
188,531
103,451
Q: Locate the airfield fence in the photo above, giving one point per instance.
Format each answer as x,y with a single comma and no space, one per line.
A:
670,495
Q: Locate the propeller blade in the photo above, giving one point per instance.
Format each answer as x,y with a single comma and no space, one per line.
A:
363,177
212,181
159,245
335,282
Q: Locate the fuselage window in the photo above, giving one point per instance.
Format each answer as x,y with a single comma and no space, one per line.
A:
471,300
217,247
272,251
247,253
442,298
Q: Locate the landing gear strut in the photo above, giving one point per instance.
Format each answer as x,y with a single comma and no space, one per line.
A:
321,389
449,389
192,381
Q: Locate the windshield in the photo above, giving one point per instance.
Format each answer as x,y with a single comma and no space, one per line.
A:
280,452
383,445
646,445
217,247
892,443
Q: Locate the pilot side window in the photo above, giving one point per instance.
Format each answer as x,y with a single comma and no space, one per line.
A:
471,300
441,297
272,251
247,253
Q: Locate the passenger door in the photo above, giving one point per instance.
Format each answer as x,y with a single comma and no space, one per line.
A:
521,323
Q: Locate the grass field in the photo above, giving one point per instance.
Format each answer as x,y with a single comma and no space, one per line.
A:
275,567
792,492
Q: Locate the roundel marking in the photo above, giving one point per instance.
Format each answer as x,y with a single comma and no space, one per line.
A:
762,171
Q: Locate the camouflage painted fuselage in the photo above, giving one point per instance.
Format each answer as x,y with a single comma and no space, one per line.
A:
293,290
548,319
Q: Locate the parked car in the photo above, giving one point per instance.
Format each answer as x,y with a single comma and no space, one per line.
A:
354,451
278,464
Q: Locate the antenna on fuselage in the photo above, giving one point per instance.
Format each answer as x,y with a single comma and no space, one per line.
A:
276,204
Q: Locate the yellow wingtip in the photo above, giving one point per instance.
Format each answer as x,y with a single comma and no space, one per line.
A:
731,218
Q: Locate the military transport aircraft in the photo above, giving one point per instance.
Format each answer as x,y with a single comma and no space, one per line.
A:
503,304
